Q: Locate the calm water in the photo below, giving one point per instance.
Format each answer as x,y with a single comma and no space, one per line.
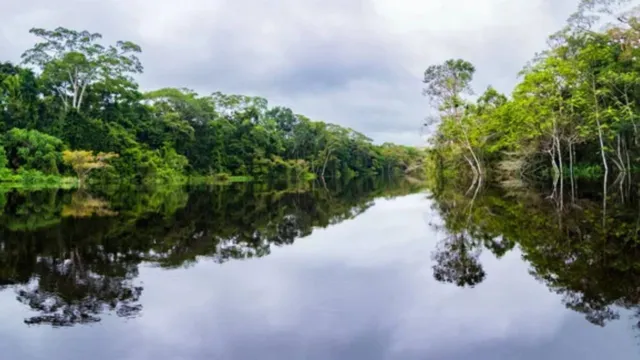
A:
366,270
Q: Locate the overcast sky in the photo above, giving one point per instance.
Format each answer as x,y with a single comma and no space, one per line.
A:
357,63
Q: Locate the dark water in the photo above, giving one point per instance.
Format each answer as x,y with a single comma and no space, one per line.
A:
366,270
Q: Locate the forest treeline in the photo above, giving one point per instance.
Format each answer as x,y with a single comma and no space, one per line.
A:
71,93
575,111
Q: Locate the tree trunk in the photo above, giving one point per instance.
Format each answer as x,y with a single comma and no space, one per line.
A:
604,200
74,83
64,99
477,168
626,148
571,171
560,170
600,137
554,165
324,167
473,154
619,153
84,87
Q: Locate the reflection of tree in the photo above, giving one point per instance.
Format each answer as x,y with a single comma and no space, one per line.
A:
457,262
65,293
244,221
593,264
27,211
85,263
457,256
83,204
71,272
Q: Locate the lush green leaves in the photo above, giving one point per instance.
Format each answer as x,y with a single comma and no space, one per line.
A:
32,150
576,104
84,94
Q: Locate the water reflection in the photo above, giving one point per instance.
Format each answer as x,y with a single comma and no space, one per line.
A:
584,246
73,256
363,289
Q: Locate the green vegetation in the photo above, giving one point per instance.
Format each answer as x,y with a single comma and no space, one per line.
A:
575,111
222,178
83,162
573,118
30,159
72,93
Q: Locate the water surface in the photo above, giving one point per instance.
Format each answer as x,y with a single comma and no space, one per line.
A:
358,271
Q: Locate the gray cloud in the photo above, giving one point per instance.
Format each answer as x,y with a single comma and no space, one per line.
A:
354,62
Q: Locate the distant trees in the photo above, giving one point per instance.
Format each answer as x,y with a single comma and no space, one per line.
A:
84,94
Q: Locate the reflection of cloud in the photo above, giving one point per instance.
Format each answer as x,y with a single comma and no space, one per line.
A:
360,290
508,306
372,274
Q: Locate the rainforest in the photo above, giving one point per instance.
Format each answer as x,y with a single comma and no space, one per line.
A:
163,223
72,112
574,113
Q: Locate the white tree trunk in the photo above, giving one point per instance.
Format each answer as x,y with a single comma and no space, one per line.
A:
74,82
84,87
571,178
600,136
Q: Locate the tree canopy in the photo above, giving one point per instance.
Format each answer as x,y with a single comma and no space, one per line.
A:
574,112
74,93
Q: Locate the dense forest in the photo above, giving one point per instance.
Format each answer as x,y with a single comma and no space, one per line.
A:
73,107
574,117
574,113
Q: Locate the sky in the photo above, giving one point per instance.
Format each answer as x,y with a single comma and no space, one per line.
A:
357,63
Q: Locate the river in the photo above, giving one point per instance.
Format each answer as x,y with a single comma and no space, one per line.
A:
360,271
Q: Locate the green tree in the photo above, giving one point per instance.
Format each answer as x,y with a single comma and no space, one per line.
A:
446,85
32,150
72,60
83,162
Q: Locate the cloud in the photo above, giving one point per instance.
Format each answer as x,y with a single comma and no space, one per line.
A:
354,62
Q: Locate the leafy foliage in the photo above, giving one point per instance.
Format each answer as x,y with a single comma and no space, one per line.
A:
83,93
575,107
32,150
83,162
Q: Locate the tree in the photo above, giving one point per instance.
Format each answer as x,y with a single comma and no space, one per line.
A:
83,92
83,162
446,84
32,150
72,60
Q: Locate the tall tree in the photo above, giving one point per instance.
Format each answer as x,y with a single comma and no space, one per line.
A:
72,60
446,86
